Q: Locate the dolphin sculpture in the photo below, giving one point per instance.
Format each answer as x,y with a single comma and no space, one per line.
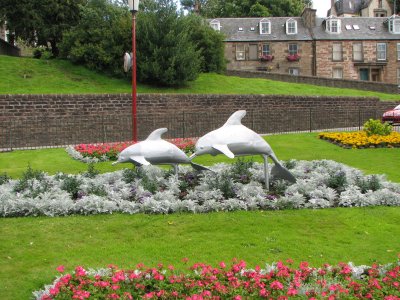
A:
234,139
155,151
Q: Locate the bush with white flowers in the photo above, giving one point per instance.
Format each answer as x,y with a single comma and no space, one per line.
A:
228,187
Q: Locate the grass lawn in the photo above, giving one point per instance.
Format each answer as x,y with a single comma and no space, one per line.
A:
305,146
31,248
33,76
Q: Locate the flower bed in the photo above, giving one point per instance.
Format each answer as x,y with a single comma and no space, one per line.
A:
276,281
229,187
293,57
360,139
90,153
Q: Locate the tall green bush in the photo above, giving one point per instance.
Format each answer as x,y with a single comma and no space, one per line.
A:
100,38
165,53
372,127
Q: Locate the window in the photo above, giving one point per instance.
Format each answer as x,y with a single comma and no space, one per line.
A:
240,52
293,49
265,26
357,52
294,71
337,52
398,51
337,73
394,25
398,77
291,26
380,3
381,51
333,26
266,49
216,25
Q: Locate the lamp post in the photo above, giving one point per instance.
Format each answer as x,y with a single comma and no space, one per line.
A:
134,7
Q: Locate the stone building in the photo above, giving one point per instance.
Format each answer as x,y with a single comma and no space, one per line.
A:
360,8
281,45
362,48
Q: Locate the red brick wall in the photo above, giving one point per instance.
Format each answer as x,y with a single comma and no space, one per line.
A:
52,120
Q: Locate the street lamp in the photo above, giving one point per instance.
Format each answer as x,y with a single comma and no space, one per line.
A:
134,7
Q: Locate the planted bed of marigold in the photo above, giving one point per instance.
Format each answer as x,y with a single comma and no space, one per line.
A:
277,281
360,139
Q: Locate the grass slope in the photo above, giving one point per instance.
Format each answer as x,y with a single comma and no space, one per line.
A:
290,146
32,76
31,248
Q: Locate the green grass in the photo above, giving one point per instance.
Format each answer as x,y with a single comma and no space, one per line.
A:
31,248
289,146
33,76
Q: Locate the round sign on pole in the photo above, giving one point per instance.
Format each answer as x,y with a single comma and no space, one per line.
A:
127,62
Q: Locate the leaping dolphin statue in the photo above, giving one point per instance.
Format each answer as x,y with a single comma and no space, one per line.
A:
234,139
156,151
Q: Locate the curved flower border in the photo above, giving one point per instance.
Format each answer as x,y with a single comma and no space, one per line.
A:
277,281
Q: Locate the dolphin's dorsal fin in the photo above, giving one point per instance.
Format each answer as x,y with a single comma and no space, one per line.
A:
156,134
224,149
236,118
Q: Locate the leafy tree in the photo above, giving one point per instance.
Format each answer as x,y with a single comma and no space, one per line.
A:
208,42
40,21
249,8
100,38
165,52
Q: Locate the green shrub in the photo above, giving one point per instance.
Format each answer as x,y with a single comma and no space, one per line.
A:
372,127
4,178
71,184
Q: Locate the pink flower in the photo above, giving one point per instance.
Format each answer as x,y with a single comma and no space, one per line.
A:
276,285
222,265
79,271
60,269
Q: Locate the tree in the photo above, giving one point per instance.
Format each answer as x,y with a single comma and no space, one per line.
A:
39,22
251,8
165,52
100,38
208,42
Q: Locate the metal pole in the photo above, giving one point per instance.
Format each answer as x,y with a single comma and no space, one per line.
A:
134,90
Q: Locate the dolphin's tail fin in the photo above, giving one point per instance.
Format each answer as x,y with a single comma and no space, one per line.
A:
280,172
199,167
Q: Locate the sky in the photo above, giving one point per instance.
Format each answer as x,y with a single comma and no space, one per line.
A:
321,6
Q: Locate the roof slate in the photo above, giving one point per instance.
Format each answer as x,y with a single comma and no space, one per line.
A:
364,33
230,27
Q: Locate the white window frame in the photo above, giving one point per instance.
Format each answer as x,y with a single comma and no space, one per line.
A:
216,25
398,51
358,54
294,71
381,51
240,53
337,73
266,49
291,26
292,47
265,26
398,78
337,52
333,26
394,25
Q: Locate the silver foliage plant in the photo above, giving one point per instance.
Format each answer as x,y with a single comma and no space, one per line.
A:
152,190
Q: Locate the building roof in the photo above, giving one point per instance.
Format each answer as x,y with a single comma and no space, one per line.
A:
251,31
360,28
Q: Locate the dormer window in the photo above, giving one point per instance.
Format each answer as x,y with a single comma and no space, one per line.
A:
216,25
291,26
333,25
394,24
265,26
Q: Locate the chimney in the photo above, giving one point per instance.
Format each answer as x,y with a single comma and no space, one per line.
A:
309,15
